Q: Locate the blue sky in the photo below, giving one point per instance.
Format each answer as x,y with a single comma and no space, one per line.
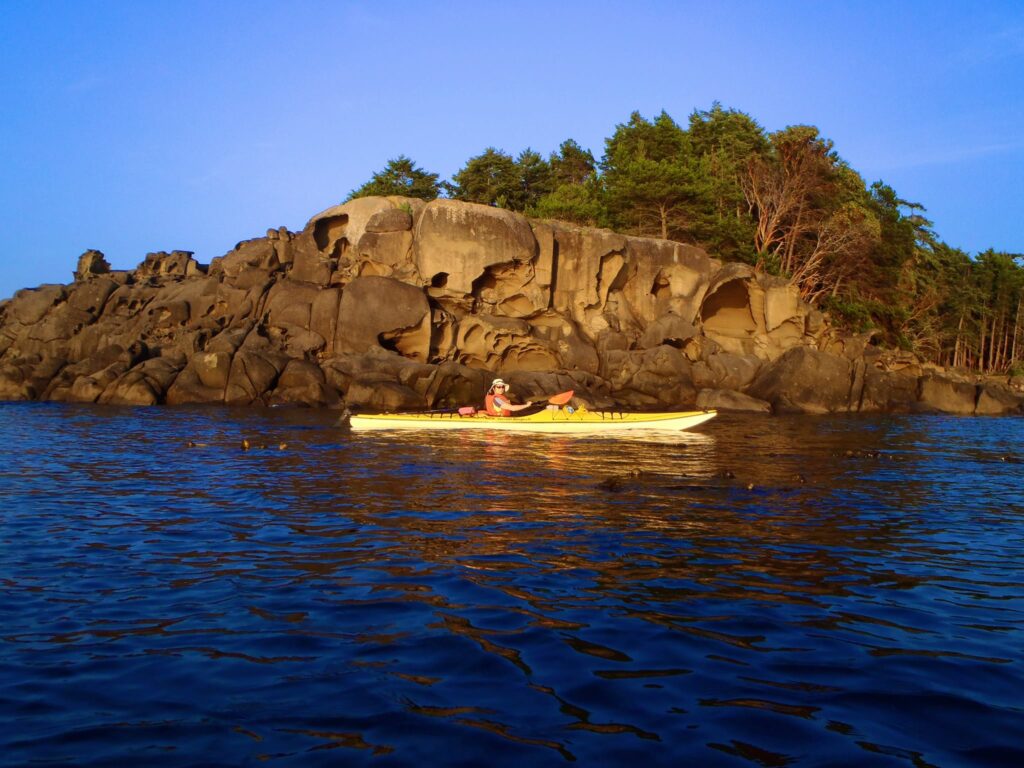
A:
141,126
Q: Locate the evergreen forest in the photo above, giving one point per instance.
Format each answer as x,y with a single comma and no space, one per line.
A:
784,202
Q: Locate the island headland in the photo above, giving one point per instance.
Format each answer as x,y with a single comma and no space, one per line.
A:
393,303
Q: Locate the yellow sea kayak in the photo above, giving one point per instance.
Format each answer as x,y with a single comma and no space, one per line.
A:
559,421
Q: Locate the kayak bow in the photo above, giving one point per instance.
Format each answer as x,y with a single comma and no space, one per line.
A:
549,420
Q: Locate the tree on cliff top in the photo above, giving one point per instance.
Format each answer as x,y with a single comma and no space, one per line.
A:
400,177
489,178
653,181
572,164
494,178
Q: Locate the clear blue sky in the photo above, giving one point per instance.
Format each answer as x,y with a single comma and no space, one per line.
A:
141,126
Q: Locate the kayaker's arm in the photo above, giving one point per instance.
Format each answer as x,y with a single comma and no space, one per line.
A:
505,405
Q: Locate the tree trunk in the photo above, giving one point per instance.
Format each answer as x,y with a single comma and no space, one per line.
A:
981,345
1016,329
957,348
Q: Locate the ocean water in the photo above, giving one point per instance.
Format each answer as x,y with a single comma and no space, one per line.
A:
806,591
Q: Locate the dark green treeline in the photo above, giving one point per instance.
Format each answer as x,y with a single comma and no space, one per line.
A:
784,202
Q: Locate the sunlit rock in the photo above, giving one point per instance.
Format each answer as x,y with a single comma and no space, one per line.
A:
90,264
456,242
940,393
805,381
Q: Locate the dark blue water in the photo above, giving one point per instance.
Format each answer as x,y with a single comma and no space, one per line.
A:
768,592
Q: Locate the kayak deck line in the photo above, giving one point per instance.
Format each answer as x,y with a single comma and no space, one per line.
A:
550,420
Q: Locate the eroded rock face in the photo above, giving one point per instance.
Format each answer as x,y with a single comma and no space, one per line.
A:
382,312
456,242
90,263
393,303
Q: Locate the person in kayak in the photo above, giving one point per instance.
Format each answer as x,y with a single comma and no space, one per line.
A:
497,403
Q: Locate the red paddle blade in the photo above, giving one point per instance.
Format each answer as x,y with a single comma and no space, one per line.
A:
561,398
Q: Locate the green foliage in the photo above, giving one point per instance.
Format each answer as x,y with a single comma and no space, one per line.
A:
494,178
535,177
654,184
490,178
855,314
727,134
575,203
572,164
400,177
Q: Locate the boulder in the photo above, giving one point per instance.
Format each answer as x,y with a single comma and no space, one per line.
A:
939,393
652,378
303,383
290,302
731,400
14,384
455,242
323,316
114,357
385,254
805,381
89,297
133,388
389,220
30,305
309,264
335,230
145,384
254,372
454,385
380,311
668,329
259,253
89,388
189,388
997,400
888,392
161,264
572,348
375,392
91,263
724,370
212,369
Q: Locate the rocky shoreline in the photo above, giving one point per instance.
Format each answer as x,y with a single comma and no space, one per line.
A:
393,304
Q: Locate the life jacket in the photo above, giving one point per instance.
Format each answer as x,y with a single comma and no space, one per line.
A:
493,409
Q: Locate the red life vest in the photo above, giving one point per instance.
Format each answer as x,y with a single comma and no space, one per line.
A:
492,407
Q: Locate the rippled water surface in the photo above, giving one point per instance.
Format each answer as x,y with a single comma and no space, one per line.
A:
765,591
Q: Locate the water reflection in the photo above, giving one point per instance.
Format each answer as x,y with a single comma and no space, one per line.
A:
768,591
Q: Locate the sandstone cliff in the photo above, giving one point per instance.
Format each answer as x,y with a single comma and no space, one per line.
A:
394,303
